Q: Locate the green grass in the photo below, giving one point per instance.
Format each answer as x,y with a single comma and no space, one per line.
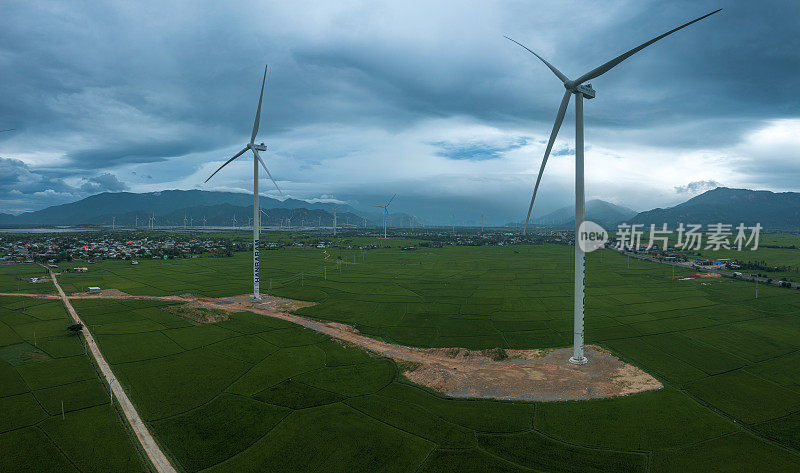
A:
218,430
729,363
536,451
34,381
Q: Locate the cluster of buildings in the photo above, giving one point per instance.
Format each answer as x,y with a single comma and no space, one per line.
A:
53,249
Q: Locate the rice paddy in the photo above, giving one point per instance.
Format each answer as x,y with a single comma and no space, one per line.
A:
254,393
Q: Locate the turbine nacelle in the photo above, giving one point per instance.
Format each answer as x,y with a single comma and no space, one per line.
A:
586,90
259,147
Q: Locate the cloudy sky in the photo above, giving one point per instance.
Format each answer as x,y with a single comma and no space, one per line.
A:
423,99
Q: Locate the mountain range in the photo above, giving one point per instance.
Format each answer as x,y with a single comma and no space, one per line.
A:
777,211
599,211
774,211
169,208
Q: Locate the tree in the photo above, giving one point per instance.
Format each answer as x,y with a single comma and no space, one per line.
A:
75,328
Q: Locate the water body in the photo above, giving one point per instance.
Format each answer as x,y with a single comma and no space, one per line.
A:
46,230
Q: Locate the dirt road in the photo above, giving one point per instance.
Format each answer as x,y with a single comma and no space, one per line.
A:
149,445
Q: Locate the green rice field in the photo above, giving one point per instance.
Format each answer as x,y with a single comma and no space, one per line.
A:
42,368
259,394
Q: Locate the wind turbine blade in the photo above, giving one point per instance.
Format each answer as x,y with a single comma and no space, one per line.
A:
600,70
227,162
390,200
562,109
258,111
255,152
558,73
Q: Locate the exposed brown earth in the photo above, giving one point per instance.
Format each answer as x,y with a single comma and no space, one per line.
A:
531,375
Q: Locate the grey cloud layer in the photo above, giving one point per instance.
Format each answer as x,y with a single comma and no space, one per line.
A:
107,87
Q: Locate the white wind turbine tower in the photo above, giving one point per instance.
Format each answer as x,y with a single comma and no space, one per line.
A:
580,91
334,220
386,214
255,148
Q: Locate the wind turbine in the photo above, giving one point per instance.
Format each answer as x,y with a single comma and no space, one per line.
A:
334,220
580,91
255,148
386,214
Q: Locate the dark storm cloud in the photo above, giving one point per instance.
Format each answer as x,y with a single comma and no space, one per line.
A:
23,188
16,176
105,182
476,151
109,87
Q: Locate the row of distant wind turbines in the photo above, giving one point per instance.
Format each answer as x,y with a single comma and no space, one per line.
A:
577,87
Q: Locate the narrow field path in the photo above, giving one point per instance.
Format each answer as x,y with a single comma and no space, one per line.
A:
157,457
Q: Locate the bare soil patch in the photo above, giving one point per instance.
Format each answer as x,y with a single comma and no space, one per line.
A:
533,375
198,313
292,306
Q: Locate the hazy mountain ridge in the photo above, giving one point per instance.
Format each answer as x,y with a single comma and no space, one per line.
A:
774,211
99,208
599,211
778,211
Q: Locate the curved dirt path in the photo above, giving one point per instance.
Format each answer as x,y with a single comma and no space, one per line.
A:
533,375
530,375
154,453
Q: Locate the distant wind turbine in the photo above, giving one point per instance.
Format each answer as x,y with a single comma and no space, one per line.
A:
386,214
334,220
580,91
